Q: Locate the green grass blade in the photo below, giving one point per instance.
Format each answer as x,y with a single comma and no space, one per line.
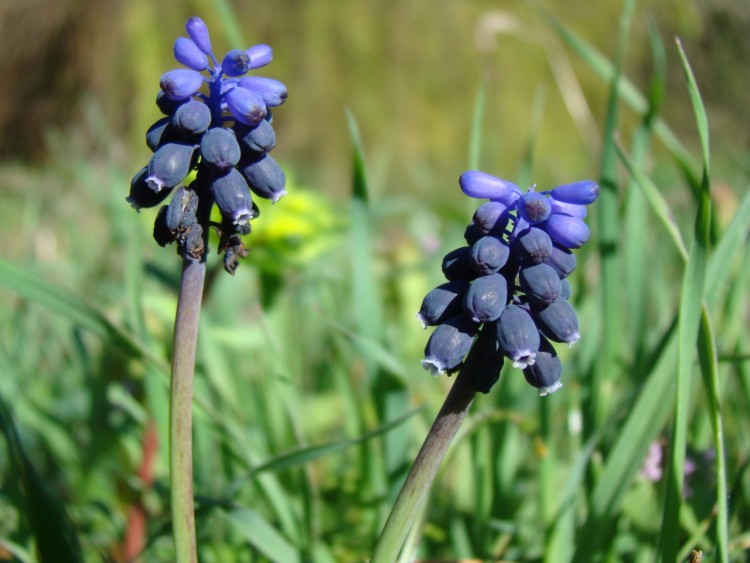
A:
701,119
308,454
475,137
710,371
608,208
636,220
643,424
56,538
31,287
727,251
605,69
707,343
691,297
262,535
658,204
359,175
230,23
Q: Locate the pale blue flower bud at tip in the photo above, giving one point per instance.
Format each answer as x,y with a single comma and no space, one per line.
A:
246,106
271,91
579,193
181,83
260,56
186,52
567,231
485,186
198,32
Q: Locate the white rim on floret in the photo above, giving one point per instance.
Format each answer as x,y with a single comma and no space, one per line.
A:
544,391
524,359
435,367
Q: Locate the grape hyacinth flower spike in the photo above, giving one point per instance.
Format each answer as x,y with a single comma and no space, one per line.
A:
506,298
513,279
210,148
217,123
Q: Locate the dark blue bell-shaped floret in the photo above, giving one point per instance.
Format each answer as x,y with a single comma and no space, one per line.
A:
534,207
442,303
562,260
166,105
518,336
235,63
259,139
181,83
546,371
457,264
245,105
141,195
534,245
198,32
484,186
568,208
260,55
181,210
486,298
265,177
232,195
192,118
567,231
271,91
219,148
169,165
187,52
485,359
472,234
488,255
540,282
163,235
565,289
557,321
579,193
160,133
491,217
448,345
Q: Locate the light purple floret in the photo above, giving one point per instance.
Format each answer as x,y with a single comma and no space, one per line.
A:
260,55
568,208
181,83
485,186
198,32
187,52
246,106
534,207
580,193
567,231
272,91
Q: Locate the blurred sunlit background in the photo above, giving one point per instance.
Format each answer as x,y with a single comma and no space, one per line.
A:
315,340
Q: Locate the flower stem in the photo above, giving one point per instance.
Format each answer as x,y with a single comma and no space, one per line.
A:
181,409
422,473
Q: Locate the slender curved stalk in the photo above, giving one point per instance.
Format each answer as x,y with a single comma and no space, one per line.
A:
425,467
181,407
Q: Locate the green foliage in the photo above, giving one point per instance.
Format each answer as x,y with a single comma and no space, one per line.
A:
310,402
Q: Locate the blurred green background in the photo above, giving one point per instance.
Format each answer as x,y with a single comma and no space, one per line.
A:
314,342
